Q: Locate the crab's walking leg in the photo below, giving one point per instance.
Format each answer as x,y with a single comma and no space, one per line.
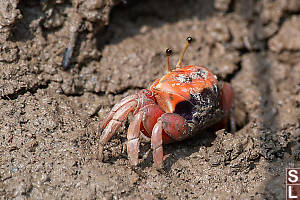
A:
170,125
115,108
133,139
156,141
114,124
228,106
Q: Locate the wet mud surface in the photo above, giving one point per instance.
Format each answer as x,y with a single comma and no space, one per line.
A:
50,114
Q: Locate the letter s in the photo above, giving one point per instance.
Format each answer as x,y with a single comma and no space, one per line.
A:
293,176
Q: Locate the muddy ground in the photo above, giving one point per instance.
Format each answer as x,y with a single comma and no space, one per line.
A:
50,110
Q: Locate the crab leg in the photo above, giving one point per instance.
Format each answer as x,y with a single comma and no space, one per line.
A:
227,98
115,108
169,124
156,141
133,139
114,124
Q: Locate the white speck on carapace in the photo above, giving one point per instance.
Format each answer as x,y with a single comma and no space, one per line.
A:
183,78
202,73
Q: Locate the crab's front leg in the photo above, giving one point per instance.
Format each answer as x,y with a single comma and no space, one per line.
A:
145,119
173,126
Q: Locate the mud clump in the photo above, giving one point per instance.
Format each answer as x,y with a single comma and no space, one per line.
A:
10,14
282,40
50,115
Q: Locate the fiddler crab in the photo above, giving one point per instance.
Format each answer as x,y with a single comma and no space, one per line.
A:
184,102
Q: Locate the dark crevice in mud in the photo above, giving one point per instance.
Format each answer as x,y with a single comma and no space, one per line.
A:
286,16
24,90
95,114
105,36
242,52
21,30
229,77
289,51
74,94
231,7
27,192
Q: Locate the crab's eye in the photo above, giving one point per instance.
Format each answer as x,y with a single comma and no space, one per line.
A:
168,52
189,39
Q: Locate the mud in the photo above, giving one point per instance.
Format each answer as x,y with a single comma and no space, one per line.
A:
50,115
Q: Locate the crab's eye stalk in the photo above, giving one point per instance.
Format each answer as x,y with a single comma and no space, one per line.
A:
168,54
188,41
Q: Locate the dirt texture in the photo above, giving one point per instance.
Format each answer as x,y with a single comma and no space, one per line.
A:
52,102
